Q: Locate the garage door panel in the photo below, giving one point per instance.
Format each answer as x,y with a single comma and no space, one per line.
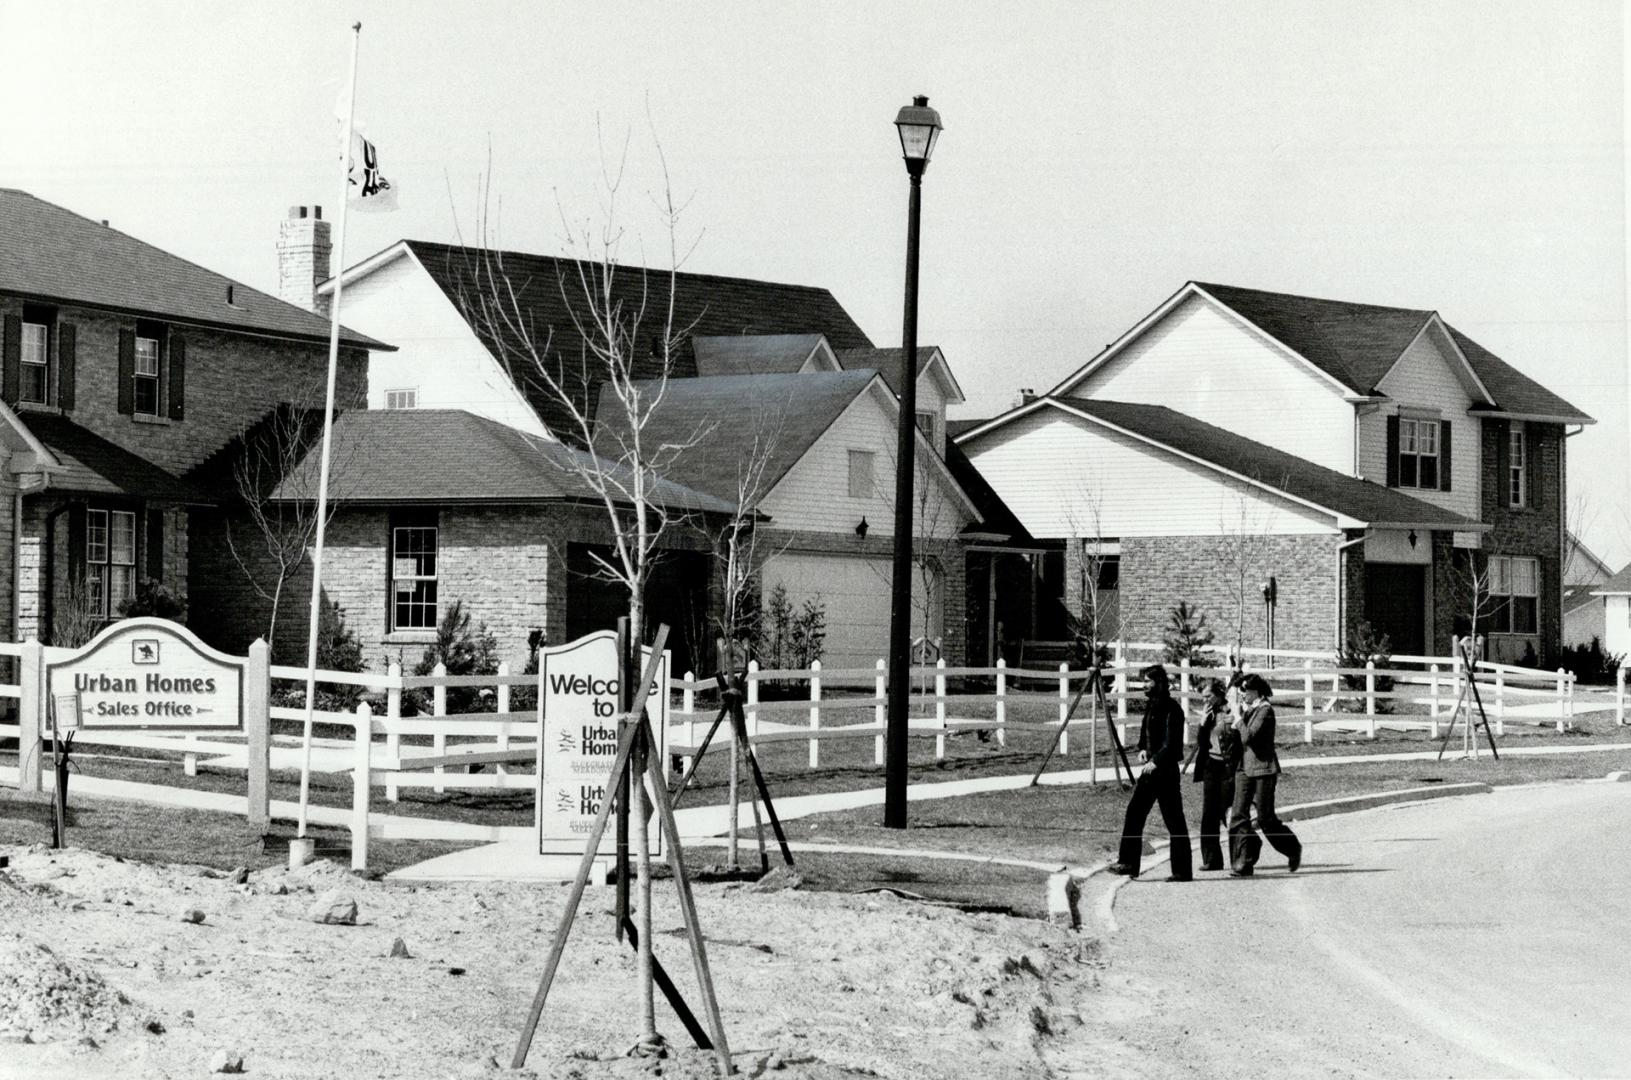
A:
855,592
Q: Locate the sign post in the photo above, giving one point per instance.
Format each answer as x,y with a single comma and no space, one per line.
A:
578,695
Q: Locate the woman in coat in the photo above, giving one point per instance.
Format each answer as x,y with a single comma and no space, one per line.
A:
1217,756
1255,782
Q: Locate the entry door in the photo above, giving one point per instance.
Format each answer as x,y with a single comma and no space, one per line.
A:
1396,605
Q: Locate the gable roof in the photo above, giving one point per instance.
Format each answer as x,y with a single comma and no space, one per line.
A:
448,456
1618,585
87,462
753,354
727,421
891,364
53,254
1314,485
550,297
1356,345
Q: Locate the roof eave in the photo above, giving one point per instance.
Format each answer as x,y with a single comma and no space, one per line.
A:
1497,413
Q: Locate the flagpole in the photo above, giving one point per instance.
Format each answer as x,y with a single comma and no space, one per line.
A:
328,431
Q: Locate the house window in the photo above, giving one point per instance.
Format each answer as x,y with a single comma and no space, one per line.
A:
1517,465
147,375
110,560
34,372
402,399
860,474
1418,453
1514,593
926,423
413,574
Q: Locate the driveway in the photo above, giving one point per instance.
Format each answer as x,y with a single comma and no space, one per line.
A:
1480,936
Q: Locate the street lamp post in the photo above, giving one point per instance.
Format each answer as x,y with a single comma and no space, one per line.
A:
919,128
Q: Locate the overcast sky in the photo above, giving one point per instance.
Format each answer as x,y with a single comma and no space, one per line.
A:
1463,157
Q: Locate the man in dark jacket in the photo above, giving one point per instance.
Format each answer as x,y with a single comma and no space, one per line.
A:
1161,752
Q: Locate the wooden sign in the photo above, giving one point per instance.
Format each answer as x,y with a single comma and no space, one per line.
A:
151,675
577,739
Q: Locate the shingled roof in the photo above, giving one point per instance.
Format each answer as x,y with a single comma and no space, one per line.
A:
1618,585
548,292
1357,344
89,463
752,354
53,254
445,456
727,421
889,362
1302,479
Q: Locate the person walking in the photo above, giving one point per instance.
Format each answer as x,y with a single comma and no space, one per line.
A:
1217,757
1255,783
1161,753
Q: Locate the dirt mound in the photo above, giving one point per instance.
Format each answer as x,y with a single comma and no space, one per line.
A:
50,999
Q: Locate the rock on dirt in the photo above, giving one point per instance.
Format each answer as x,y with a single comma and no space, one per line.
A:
190,915
334,908
399,950
227,1061
52,999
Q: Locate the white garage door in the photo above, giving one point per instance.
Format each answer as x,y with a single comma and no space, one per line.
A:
855,591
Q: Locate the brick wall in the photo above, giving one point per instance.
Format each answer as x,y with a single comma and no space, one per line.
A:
1158,572
1534,530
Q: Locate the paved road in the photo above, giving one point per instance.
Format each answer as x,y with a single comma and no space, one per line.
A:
1480,936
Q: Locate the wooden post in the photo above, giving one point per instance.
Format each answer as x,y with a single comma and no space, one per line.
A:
258,736
1619,696
1432,699
1002,704
1500,702
438,709
1121,680
503,709
1308,688
30,713
878,716
360,789
753,700
1064,708
1183,684
815,714
1370,699
688,705
1562,709
940,709
393,713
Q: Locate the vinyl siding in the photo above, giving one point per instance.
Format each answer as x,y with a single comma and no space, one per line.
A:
1424,379
1050,468
1204,361
438,354
814,495
1617,625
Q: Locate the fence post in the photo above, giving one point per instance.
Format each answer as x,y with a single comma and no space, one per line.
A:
1121,680
1562,708
878,717
1183,683
438,709
258,735
30,710
1002,704
753,700
688,706
1500,702
1619,696
940,709
503,709
1370,699
1432,699
815,714
393,713
360,790
1064,706
1308,701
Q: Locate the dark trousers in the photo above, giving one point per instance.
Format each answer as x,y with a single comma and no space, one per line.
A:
1217,795
1244,843
1163,786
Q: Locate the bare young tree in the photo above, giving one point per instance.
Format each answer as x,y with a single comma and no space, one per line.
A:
1243,528
1091,620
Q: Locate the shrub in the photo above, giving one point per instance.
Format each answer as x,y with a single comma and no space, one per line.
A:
466,650
1590,664
790,638
155,599
1186,636
337,650
1363,646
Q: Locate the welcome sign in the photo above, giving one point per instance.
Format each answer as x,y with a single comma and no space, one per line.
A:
148,674
577,742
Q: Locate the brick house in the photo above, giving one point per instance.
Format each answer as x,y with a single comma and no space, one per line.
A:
748,345
123,367
1371,459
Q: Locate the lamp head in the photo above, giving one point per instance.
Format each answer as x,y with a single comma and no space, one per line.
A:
919,128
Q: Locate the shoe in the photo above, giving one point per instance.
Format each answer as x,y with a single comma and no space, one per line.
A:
1211,866
1294,861
1121,869
1175,877
1240,873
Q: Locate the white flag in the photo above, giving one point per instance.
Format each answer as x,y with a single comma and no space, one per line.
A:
366,188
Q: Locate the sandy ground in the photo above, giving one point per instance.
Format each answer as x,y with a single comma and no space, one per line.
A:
101,976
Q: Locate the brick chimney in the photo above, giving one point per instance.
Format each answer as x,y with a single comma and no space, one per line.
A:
303,247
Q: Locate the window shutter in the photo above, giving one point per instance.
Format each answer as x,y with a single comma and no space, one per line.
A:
155,543
1531,461
1444,455
67,348
1393,451
1503,470
76,546
178,376
12,348
127,372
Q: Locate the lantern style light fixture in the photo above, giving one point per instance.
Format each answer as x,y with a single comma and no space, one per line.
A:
919,128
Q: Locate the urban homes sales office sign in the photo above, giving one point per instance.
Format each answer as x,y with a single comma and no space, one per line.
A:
577,740
148,673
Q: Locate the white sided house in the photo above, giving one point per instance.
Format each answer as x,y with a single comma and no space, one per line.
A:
1371,460
1615,597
